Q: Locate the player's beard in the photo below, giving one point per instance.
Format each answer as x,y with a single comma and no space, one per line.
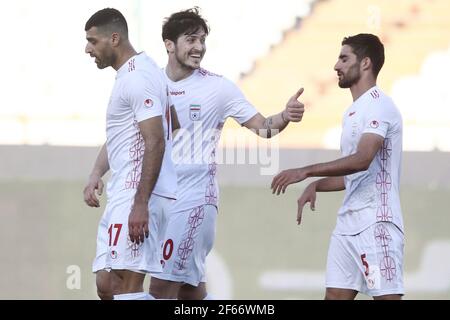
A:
182,61
351,77
106,61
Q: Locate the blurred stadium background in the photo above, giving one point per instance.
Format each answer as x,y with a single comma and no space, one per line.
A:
52,122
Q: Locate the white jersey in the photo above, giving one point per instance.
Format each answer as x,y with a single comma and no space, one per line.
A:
203,102
140,92
372,195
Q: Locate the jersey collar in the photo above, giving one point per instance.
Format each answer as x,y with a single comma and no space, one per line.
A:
130,65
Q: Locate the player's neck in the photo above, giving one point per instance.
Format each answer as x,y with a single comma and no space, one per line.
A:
177,73
123,56
359,88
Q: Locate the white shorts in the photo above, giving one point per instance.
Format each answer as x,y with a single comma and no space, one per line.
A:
188,239
115,251
370,262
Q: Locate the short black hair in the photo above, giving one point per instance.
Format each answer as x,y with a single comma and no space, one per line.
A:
108,19
367,45
183,22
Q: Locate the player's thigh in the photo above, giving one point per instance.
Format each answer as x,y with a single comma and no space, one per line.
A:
343,269
389,297
108,284
164,289
189,238
207,230
99,262
340,294
381,252
189,292
189,230
131,281
123,254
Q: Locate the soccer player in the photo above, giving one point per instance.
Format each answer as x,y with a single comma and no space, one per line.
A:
138,153
366,247
203,101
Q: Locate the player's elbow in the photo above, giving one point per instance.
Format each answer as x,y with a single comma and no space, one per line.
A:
364,166
362,163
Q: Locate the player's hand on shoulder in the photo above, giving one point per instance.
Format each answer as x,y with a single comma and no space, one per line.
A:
285,178
90,198
294,108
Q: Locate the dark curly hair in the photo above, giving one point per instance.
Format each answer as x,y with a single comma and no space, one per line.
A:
184,22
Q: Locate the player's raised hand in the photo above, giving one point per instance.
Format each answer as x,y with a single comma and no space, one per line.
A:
294,108
308,195
95,183
138,222
287,177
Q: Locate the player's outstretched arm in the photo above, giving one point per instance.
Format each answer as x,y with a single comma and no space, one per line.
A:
287,177
309,194
153,134
95,181
368,146
271,126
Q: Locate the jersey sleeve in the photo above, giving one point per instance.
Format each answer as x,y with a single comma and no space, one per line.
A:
234,104
143,95
379,120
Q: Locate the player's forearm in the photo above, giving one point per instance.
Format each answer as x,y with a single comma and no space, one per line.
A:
151,166
279,122
330,184
272,125
340,167
101,165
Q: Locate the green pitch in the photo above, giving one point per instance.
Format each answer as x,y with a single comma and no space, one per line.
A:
47,233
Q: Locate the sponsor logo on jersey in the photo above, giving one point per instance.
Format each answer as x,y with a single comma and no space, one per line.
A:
177,93
148,103
194,112
374,124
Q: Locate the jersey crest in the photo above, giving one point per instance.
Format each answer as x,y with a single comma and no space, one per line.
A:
194,112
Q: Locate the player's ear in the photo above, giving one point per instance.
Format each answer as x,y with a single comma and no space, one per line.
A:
115,39
366,63
170,46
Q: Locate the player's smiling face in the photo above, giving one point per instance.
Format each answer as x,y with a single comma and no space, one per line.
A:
190,49
347,67
98,46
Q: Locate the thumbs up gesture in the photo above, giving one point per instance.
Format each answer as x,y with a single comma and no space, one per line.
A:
294,108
